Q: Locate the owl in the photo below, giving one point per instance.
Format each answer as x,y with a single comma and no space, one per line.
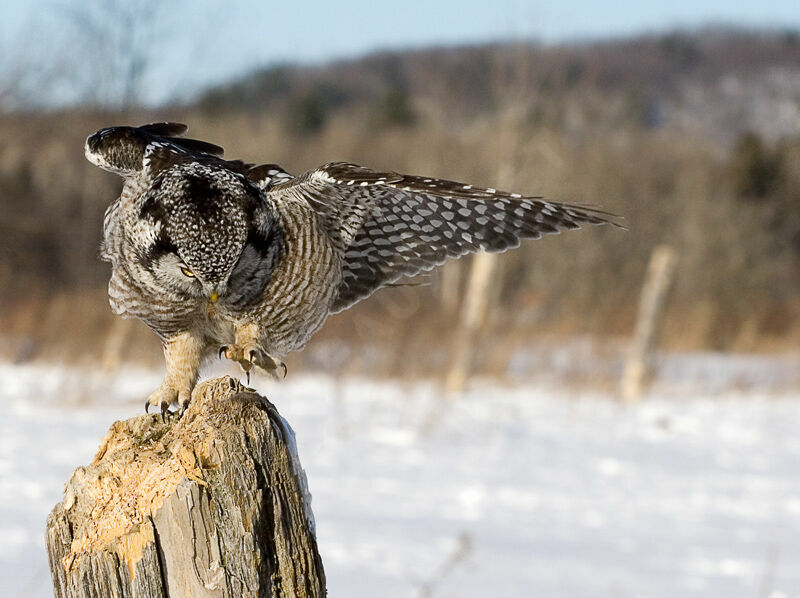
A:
247,261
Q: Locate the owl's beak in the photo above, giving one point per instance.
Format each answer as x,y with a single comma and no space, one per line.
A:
214,297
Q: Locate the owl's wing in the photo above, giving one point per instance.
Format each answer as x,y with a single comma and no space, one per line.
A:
135,151
392,225
143,152
162,153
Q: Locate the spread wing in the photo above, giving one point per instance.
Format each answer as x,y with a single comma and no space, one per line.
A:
132,151
145,151
391,225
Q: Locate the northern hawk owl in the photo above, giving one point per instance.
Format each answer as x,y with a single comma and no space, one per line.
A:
223,256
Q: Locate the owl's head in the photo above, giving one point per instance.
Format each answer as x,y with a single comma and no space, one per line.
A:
206,233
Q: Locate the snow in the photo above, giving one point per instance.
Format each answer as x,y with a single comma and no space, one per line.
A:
534,490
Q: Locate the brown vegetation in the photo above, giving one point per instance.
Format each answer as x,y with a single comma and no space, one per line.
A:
603,125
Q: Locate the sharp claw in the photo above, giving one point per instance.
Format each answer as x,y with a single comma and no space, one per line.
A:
222,350
247,374
251,356
147,406
183,410
285,369
164,410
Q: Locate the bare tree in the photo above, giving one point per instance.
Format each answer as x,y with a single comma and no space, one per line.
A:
115,42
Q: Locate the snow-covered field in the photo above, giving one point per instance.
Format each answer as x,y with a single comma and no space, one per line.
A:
530,491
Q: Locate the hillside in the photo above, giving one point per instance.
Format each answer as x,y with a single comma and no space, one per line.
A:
713,83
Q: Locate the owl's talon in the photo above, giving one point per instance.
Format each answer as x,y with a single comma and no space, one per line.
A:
169,394
184,398
223,350
247,357
271,365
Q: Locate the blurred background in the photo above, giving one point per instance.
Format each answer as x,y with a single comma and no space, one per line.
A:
469,427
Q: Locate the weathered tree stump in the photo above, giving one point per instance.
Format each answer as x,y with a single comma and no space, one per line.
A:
213,504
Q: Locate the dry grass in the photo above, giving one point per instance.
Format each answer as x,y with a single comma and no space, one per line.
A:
737,285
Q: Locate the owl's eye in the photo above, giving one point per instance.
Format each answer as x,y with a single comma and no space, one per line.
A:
186,272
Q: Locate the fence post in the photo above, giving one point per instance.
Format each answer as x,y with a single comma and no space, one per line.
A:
473,314
214,504
638,367
450,286
477,301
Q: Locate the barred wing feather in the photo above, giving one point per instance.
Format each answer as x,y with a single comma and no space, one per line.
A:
391,225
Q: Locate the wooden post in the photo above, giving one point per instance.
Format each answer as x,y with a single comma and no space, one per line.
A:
477,301
450,286
639,366
213,504
473,313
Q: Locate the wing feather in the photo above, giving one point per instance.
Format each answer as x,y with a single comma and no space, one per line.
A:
390,225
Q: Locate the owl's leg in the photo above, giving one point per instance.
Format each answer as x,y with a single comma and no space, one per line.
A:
182,353
247,352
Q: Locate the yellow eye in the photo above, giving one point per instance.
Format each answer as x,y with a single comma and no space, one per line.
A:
186,272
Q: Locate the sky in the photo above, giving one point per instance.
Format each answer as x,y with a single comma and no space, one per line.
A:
197,43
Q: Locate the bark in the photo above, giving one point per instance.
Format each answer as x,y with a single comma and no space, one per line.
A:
214,504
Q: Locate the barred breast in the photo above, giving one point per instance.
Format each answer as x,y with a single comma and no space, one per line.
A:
298,297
